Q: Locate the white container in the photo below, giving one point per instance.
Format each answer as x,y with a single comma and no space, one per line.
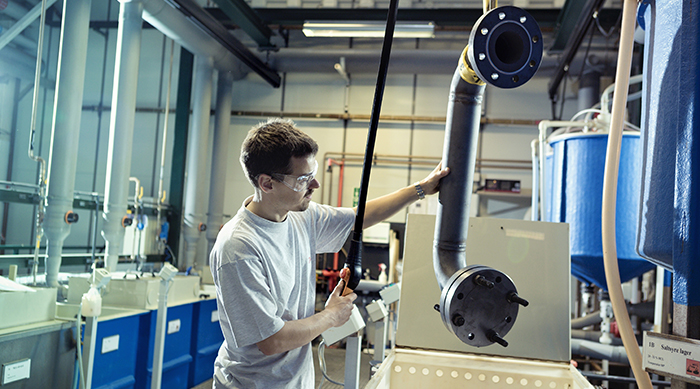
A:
407,369
139,293
21,308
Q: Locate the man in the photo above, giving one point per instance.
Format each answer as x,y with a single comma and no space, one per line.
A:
263,261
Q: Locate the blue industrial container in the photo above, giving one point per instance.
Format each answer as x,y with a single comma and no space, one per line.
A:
116,369
176,354
575,172
206,340
669,231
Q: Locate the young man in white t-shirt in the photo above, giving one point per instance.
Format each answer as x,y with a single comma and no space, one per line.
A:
264,261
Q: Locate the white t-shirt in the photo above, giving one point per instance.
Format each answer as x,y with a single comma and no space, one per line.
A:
265,275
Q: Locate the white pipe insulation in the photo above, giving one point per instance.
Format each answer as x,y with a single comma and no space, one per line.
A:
121,128
65,131
195,189
222,126
177,27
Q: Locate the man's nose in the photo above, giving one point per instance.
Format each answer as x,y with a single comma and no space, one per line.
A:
314,184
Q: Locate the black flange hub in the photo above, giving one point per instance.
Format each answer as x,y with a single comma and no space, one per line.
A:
505,47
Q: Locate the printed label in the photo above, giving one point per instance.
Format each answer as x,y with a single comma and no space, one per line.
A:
672,356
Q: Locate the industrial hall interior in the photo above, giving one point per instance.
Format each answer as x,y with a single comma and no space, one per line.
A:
509,187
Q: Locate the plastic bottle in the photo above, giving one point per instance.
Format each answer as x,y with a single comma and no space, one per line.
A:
382,274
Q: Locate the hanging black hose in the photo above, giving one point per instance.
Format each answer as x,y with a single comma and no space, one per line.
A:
354,260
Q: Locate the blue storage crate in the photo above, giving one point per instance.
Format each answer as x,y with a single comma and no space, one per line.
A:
574,194
206,341
176,354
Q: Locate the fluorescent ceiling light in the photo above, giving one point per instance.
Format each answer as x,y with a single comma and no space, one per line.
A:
371,29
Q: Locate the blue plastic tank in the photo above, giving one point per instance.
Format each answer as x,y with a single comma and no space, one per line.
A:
574,194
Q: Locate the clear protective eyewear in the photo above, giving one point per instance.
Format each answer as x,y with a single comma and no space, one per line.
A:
301,183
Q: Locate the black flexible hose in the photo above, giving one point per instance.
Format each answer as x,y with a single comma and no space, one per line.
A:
354,260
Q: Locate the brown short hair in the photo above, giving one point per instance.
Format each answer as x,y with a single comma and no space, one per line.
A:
270,145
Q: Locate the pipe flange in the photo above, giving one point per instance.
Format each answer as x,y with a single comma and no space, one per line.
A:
505,47
477,305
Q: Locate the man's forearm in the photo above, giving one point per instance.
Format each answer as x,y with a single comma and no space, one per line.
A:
384,207
296,333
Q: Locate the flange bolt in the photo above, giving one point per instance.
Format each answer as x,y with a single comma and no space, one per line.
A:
496,338
481,280
514,298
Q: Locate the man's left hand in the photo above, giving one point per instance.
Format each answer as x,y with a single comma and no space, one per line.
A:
431,183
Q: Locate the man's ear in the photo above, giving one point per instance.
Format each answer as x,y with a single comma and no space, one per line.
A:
265,183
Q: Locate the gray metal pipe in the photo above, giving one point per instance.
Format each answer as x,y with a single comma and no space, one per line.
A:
459,154
121,128
65,132
364,61
599,351
197,147
177,27
222,127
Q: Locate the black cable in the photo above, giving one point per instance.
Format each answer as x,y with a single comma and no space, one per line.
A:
376,109
354,259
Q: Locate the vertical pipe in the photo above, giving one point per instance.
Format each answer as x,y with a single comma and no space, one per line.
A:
90,339
65,131
195,191
159,342
353,350
459,154
179,153
121,128
222,126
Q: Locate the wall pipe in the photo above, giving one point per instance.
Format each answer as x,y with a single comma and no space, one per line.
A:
600,351
222,127
65,132
121,128
38,220
161,193
612,162
197,153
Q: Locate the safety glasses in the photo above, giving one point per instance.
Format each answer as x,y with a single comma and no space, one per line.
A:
298,183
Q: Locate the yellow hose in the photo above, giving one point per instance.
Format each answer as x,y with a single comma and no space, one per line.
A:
612,161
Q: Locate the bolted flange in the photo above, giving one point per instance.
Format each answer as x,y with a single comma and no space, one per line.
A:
479,304
505,47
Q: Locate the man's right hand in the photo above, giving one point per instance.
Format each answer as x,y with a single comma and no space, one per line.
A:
339,307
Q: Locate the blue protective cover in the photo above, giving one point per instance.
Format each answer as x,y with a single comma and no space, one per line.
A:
206,341
176,353
669,230
575,194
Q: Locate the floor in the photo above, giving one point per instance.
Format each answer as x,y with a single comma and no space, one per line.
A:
335,362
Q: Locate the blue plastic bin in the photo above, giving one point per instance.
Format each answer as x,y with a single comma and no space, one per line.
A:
575,196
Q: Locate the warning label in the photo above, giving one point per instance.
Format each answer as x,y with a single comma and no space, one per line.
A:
692,367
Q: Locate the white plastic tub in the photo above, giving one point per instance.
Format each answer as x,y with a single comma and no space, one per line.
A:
404,368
